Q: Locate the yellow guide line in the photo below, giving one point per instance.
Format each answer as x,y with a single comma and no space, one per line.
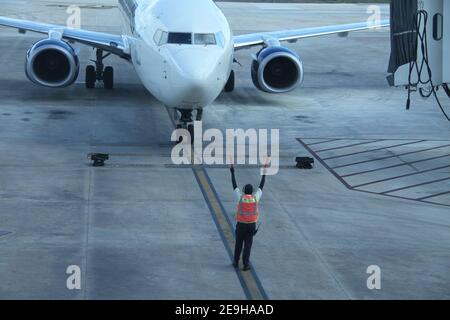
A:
248,279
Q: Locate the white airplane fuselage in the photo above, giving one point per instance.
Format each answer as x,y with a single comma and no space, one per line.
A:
184,76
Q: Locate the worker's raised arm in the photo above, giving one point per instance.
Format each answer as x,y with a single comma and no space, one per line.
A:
263,181
233,178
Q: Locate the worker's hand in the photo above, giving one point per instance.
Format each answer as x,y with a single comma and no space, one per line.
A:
266,166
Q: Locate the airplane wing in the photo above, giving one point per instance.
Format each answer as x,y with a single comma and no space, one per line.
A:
115,44
254,39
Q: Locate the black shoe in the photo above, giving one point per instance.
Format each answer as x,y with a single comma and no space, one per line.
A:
246,268
235,265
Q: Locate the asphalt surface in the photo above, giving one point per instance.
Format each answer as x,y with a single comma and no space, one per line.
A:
142,228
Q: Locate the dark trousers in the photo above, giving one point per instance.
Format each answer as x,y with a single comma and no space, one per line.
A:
244,238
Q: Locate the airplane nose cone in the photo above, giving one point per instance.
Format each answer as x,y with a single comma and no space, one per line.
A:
195,74
195,79
195,62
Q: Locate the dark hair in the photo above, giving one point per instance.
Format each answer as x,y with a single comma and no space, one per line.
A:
248,189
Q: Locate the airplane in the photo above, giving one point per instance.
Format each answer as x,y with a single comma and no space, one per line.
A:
182,51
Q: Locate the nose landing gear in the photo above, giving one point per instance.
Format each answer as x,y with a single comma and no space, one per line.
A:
99,72
184,120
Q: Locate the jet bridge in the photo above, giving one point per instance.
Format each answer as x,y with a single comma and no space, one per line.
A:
407,24
420,43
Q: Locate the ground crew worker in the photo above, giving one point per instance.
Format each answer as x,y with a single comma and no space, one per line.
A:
247,215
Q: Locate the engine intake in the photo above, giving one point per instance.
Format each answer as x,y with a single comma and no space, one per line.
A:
277,70
52,63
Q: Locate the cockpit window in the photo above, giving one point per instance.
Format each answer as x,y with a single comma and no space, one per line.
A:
162,37
220,39
205,39
180,38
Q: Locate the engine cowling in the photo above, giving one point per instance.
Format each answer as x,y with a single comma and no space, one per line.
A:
52,63
277,70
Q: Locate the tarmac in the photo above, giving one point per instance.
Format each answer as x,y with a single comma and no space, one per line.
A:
143,228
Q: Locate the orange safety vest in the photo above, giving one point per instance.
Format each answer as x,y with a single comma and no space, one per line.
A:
247,210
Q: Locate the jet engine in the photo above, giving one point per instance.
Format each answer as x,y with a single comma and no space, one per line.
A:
277,70
52,63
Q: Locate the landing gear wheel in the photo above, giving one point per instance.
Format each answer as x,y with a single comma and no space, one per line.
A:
180,139
199,116
185,120
229,87
191,132
108,78
99,72
91,77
